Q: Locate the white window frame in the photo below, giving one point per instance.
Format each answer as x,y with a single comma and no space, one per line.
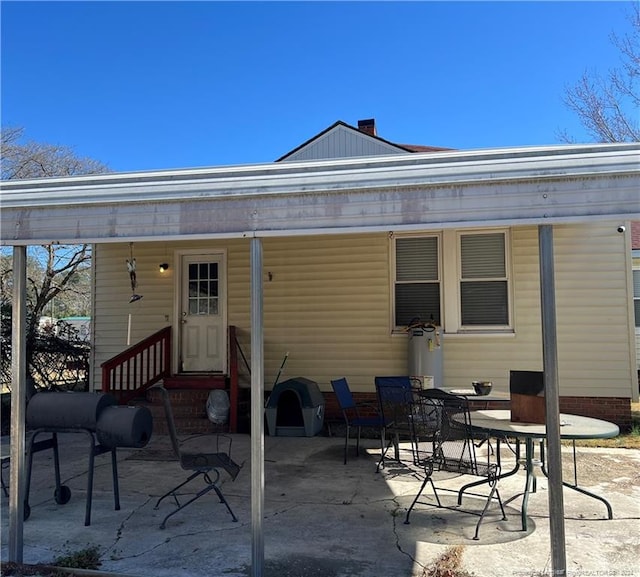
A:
450,272
507,278
636,297
438,236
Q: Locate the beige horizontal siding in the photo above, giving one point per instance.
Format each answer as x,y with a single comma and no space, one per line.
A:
112,294
327,302
636,265
328,305
592,310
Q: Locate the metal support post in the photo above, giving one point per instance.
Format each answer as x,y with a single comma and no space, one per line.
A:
257,412
552,403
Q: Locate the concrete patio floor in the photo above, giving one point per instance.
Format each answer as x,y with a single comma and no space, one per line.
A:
321,518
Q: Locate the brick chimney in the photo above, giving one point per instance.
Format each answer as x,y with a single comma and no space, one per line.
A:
367,126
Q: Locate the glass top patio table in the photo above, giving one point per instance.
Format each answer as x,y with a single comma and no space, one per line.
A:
498,424
472,395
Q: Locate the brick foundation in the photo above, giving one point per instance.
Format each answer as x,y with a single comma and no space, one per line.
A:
189,412
614,409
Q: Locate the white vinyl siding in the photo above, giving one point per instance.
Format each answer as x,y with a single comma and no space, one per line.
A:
591,271
328,299
592,333
326,302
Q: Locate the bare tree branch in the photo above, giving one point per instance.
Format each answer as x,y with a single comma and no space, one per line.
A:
54,272
609,107
30,159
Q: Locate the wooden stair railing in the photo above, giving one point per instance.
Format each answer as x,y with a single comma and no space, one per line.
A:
137,368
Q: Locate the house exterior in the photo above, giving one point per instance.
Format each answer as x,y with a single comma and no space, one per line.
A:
635,253
359,237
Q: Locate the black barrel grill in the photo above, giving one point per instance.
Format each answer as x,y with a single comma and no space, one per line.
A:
97,415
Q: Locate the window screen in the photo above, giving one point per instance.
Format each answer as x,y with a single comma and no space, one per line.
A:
484,291
417,283
636,295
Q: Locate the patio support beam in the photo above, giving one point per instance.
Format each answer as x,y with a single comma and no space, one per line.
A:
257,411
552,403
18,403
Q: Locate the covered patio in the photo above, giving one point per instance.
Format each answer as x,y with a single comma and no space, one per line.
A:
541,187
321,518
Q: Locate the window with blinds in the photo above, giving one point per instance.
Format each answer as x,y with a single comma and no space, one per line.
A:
417,282
636,296
484,290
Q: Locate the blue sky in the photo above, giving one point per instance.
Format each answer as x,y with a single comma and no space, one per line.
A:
151,85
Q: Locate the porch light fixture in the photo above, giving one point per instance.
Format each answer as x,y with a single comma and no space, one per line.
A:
164,266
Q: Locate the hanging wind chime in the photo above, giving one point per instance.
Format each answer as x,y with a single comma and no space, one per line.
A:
131,267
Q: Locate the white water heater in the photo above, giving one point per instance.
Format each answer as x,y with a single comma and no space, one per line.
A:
425,354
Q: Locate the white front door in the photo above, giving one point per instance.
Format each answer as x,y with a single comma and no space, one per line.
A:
203,338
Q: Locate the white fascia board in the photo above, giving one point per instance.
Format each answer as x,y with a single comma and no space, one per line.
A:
419,208
281,233
419,193
370,173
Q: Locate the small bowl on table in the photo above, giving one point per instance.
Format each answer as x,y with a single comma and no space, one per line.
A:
482,388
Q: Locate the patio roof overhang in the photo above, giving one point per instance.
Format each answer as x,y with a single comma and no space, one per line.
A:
541,185
536,185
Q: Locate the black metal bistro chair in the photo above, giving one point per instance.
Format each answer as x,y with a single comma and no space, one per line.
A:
396,398
352,413
5,461
207,465
450,447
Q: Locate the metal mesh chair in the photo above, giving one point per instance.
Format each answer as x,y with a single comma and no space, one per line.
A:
4,463
444,442
207,465
351,411
396,397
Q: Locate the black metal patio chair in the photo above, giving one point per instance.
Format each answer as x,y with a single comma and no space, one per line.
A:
396,397
356,414
5,461
446,443
203,464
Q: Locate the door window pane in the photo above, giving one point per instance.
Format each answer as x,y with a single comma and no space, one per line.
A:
213,306
203,288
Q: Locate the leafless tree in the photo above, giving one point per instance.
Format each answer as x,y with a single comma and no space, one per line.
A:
609,106
55,272
31,159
